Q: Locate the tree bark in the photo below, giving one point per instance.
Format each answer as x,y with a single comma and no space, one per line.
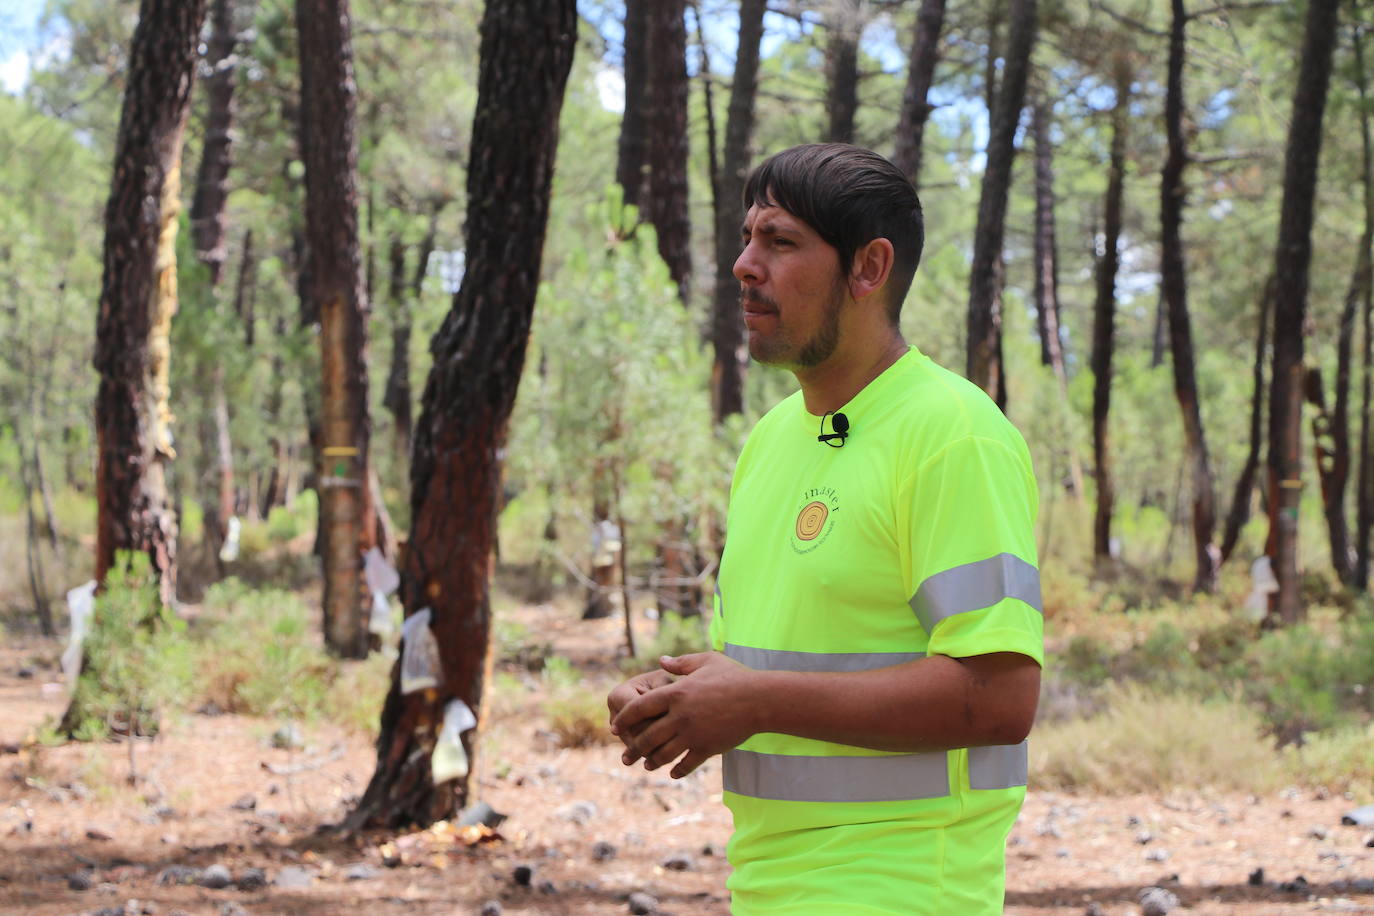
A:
984,307
1364,511
526,52
1245,483
1104,321
916,107
1174,283
727,323
632,151
1292,260
844,23
212,187
665,205
1047,276
138,293
334,289
37,580
245,292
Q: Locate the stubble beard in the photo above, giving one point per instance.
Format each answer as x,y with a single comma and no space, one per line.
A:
781,352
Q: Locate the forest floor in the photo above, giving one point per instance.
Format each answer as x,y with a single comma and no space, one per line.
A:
217,803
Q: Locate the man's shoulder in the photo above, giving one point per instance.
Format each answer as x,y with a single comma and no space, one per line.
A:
947,406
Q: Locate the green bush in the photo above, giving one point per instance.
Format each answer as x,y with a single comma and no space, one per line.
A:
260,657
136,659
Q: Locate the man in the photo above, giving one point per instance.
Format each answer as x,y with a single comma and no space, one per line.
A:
877,629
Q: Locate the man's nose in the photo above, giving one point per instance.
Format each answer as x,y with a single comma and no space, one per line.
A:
747,269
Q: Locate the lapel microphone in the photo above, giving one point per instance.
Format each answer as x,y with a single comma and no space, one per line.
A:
838,422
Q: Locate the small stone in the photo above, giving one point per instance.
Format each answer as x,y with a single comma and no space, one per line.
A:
1317,832
641,904
98,834
1132,821
293,877
80,881
1297,886
579,812
1046,827
1256,878
251,879
230,908
179,874
1326,855
679,861
1094,909
547,887
1369,841
1156,901
1143,837
288,737
480,813
1360,817
491,908
25,673
710,850
1157,855
603,852
1362,885
521,875
1062,852
216,877
245,803
362,872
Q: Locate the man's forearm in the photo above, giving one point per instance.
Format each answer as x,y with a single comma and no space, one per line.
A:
929,704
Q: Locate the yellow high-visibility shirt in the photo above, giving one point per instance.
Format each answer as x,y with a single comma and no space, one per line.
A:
914,538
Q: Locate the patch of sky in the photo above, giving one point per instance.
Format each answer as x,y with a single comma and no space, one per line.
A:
1217,110
18,42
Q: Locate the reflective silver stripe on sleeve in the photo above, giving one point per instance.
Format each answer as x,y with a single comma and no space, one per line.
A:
786,660
783,777
999,766
974,586
720,602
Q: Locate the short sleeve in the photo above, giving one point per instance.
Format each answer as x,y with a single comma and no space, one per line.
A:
716,630
974,581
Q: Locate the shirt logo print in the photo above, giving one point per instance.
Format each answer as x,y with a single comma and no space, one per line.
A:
811,520
815,520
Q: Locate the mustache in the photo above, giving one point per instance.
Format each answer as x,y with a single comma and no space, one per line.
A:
752,295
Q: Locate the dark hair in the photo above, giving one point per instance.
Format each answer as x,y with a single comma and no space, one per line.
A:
850,196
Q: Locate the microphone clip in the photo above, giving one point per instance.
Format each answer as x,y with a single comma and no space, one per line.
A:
840,424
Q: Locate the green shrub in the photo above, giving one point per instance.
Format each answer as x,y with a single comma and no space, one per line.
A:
260,656
136,659
676,635
1146,741
576,711
1085,661
1340,760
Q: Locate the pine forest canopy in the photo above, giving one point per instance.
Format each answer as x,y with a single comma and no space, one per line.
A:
614,418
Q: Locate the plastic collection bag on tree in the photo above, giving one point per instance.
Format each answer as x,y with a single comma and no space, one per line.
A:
229,550
80,602
382,580
450,760
1263,584
420,667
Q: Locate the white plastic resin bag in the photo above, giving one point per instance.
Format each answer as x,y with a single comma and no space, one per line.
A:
229,550
1263,584
379,621
420,666
450,760
381,576
80,601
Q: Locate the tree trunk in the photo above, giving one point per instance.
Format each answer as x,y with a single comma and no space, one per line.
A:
1047,277
984,311
843,24
526,52
666,140
138,294
1364,512
1332,456
396,397
245,293
37,580
1292,260
334,289
632,152
727,324
1174,283
916,107
1104,320
1245,483
212,187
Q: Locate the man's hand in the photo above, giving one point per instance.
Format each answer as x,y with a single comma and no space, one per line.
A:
636,686
706,711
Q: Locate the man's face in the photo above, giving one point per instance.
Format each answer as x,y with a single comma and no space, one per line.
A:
792,290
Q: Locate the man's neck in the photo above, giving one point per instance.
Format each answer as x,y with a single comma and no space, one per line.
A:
833,384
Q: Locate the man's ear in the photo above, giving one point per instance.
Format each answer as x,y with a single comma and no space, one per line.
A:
871,268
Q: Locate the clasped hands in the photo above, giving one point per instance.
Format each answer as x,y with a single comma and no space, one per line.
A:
693,707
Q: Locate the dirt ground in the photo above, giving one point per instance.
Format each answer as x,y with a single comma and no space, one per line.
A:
582,833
